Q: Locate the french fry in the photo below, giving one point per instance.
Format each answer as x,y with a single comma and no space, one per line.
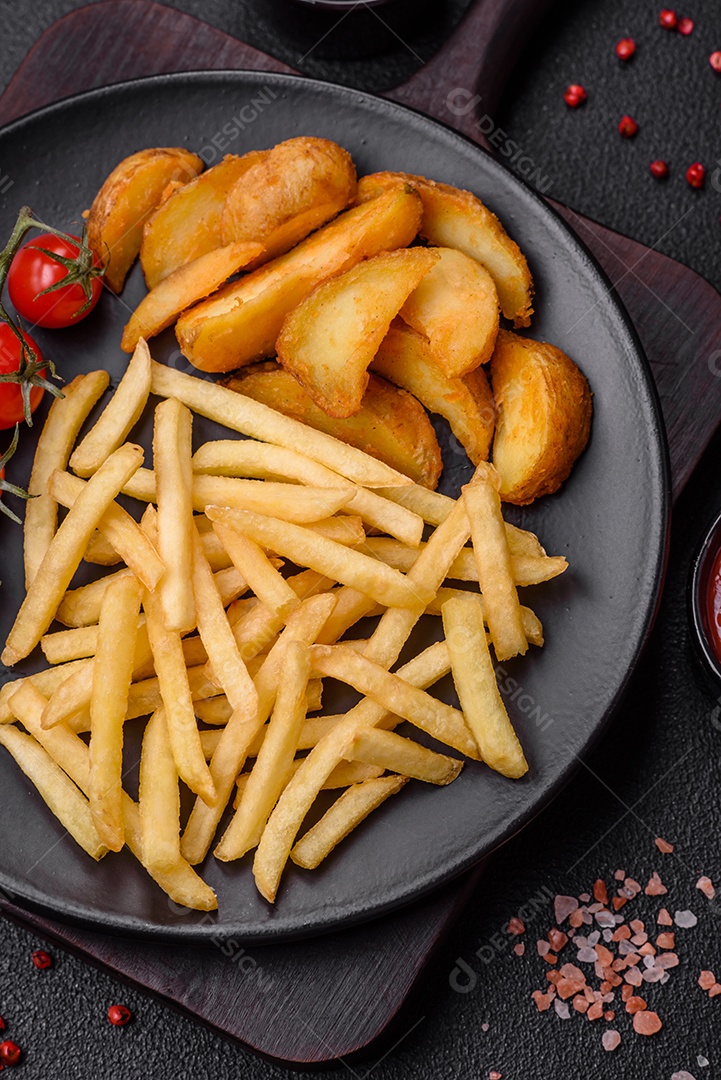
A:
217,636
345,814
274,759
185,286
217,710
326,557
495,568
351,606
118,527
63,556
301,791
423,711
344,775
255,567
118,417
390,751
56,789
244,457
475,681
181,883
100,551
177,699
46,681
525,569
242,414
55,442
159,800
172,452
112,672
532,626
232,750
66,645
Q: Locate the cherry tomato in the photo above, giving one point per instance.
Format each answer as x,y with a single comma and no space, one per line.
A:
32,271
11,399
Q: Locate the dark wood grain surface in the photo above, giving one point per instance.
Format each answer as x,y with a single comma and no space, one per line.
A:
314,1001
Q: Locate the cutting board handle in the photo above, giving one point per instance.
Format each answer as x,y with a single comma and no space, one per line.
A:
462,84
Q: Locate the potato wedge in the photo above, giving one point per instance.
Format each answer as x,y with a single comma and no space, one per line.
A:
184,287
458,219
295,188
390,424
456,307
406,359
242,322
544,417
187,224
329,340
126,200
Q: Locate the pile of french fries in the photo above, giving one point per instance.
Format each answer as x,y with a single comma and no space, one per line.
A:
196,628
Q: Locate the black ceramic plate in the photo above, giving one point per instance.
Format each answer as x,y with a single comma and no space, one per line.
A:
610,519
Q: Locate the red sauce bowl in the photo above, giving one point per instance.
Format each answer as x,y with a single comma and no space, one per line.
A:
705,601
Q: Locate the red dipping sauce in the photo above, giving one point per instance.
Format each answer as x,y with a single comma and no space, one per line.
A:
713,606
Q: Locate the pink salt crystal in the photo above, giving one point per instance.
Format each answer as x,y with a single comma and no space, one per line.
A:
715,990
706,980
682,1075
543,947
639,939
597,906
563,906
620,875
664,919
637,925
647,950
595,1012
663,846
611,1039
702,1061
609,1015
633,976
653,975
519,949
557,938
655,886
580,1004
576,918
543,1001
666,941
667,960
493,1075
685,919
625,948
605,918
562,1009
485,1027
570,971
584,897
629,883
607,935
587,956
706,887
516,926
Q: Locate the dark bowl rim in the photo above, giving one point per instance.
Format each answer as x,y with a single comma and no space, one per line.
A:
705,553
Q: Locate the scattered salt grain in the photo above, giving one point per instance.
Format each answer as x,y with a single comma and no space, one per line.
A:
646,1022
706,980
655,886
620,875
705,885
493,1075
516,926
664,919
685,919
563,906
611,1039
682,1075
702,1061
519,949
608,935
605,918
715,990
485,1027
587,955
562,1009
663,846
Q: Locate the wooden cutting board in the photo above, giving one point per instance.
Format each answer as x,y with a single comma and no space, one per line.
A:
316,1000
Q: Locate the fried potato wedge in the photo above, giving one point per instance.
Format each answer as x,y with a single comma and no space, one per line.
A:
329,340
390,424
456,307
187,224
184,287
406,359
544,417
241,323
126,200
295,188
458,219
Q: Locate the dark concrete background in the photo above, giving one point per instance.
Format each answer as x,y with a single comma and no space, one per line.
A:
657,772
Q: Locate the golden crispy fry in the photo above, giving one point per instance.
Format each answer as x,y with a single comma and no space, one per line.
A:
112,672
159,799
178,702
254,565
119,528
172,451
532,626
45,681
423,711
56,789
475,681
239,413
326,557
544,417
405,358
351,606
118,417
184,287
293,189
274,759
330,338
55,442
100,551
391,751
345,814
126,200
217,637
302,789
456,307
217,710
66,551
66,645
238,736
344,774
241,323
457,219
526,569
390,424
187,224
495,568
